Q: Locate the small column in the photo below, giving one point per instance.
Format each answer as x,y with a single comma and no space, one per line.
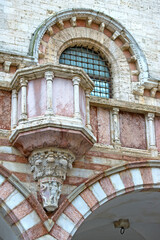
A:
151,131
23,83
76,80
14,108
115,127
88,124
49,78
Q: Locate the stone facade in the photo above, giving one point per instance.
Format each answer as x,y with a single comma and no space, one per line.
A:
60,148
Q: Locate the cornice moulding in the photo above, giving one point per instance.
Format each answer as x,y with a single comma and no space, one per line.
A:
124,105
55,121
62,71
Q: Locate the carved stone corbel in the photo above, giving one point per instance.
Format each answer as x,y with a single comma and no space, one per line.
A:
102,27
153,92
49,167
7,65
73,21
89,21
60,24
138,89
115,35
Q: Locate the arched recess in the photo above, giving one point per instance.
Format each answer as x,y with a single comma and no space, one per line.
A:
19,210
109,185
90,19
119,67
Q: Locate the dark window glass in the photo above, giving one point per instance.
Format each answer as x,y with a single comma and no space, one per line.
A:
93,64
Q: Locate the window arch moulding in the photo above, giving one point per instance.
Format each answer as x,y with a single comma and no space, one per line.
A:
64,28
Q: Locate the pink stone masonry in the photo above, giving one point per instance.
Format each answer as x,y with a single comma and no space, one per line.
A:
157,128
132,130
36,97
63,97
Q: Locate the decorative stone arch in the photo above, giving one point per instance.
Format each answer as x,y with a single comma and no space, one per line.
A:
102,24
137,176
20,209
98,41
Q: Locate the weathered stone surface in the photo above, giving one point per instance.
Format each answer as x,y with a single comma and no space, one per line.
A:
5,109
132,130
157,130
103,126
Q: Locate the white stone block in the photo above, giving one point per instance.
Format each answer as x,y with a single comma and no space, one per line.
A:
156,175
98,192
30,220
136,176
9,150
65,223
46,237
117,182
14,199
81,206
17,167
2,179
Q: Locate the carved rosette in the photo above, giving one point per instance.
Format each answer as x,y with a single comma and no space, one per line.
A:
49,167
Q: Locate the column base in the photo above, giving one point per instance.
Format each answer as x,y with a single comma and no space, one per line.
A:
153,150
49,113
23,117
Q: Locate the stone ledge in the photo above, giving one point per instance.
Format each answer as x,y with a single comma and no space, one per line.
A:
124,105
132,152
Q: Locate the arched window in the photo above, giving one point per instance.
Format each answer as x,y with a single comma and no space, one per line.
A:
93,64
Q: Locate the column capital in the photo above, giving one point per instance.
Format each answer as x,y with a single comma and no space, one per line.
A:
76,80
151,116
115,111
23,82
14,92
87,93
49,75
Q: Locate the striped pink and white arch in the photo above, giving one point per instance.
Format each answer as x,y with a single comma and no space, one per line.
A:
29,221
137,176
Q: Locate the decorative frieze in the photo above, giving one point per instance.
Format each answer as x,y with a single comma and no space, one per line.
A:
49,167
